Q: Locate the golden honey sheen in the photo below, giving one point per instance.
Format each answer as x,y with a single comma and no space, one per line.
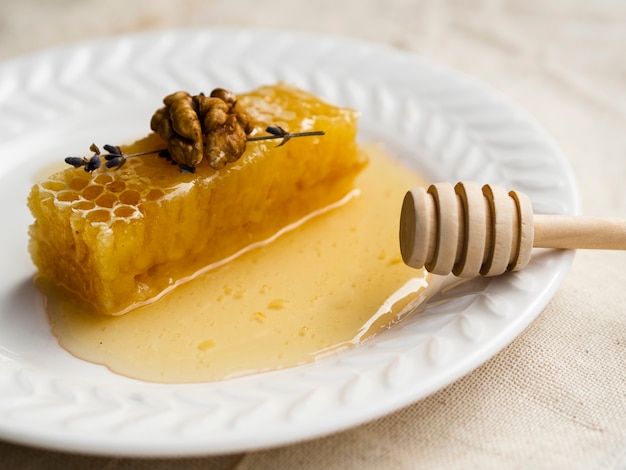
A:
118,239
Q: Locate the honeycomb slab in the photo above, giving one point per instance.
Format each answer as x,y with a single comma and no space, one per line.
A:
118,239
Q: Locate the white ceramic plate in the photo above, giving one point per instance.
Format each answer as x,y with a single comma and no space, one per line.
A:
56,102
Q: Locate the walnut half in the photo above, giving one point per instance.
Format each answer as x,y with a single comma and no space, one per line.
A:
214,127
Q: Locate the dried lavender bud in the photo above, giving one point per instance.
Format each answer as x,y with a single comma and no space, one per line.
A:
114,149
93,163
115,162
76,162
276,130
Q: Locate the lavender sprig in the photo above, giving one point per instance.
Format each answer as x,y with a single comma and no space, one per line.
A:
277,132
115,158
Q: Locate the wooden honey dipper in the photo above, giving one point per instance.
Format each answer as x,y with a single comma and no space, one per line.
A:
469,230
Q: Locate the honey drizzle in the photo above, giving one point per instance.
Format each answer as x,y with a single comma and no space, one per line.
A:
328,284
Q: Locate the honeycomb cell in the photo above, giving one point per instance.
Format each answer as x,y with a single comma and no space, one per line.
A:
103,178
100,215
77,184
124,211
136,185
130,197
116,186
154,194
83,205
107,200
53,185
92,192
67,196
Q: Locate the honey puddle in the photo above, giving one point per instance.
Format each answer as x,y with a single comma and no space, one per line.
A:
329,284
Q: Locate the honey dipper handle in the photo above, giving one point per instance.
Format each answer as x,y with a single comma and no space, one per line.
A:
571,232
469,230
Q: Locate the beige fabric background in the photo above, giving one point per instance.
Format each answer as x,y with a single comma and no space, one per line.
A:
556,397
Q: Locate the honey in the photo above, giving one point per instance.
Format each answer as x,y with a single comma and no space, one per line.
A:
328,284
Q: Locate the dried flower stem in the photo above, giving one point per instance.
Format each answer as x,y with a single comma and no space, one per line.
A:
277,132
115,158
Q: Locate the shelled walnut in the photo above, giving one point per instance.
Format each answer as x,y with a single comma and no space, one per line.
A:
214,127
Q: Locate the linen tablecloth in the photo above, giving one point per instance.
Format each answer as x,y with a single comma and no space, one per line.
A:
556,396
